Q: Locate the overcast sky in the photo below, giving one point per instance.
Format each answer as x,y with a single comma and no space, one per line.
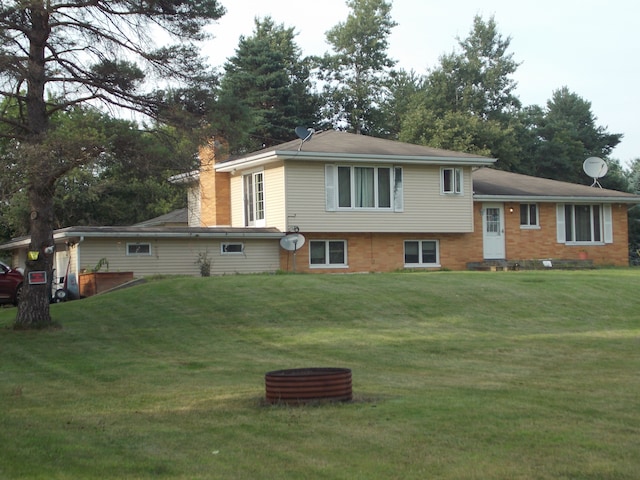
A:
590,46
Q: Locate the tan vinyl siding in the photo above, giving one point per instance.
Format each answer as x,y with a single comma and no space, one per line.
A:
274,192
179,256
193,199
425,208
237,202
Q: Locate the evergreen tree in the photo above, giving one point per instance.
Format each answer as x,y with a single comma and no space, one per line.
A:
54,55
565,134
268,77
403,88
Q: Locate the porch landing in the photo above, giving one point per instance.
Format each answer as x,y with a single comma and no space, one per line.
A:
530,264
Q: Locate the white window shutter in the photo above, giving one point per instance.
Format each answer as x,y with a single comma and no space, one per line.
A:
608,223
560,229
330,187
398,190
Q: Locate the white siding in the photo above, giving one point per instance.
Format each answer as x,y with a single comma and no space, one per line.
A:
425,208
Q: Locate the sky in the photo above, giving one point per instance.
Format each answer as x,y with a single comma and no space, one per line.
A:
592,47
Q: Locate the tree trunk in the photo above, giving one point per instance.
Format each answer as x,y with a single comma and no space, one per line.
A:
33,309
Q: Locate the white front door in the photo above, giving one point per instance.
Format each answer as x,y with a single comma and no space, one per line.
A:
493,231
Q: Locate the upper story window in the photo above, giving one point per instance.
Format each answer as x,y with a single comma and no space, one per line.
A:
528,215
355,187
253,184
451,180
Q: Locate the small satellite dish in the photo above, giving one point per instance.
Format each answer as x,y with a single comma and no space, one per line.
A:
596,168
304,134
292,242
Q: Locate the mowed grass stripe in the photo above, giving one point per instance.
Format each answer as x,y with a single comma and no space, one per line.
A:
456,375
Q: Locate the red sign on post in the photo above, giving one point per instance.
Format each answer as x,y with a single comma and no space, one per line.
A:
37,278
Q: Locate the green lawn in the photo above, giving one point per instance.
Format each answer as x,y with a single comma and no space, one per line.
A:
456,375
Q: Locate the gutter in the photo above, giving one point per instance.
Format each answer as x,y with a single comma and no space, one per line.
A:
554,199
275,155
82,235
167,235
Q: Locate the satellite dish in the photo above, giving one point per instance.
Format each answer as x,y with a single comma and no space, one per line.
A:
304,134
292,242
596,168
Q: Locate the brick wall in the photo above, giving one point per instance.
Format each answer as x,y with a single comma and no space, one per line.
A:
378,252
542,242
215,187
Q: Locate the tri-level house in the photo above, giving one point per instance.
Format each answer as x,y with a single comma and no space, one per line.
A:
362,204
365,204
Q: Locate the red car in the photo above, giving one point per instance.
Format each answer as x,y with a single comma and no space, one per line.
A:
10,284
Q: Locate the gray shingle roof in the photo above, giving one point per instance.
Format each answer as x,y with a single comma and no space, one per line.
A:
497,183
180,216
332,144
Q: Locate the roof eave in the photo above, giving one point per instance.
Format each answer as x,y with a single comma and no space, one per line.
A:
66,234
275,155
554,199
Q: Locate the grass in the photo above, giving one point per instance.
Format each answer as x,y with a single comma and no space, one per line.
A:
456,375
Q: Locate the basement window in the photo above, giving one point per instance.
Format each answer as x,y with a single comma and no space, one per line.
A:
139,249
421,253
231,248
327,253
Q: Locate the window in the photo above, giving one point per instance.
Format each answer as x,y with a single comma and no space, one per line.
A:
528,215
451,180
328,253
231,248
583,223
143,249
351,187
421,253
254,199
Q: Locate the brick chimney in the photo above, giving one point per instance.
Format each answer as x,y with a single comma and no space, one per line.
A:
215,187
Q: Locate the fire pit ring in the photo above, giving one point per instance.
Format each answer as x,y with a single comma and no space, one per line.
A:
304,385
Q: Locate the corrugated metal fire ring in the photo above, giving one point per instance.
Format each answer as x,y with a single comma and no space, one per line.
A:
305,385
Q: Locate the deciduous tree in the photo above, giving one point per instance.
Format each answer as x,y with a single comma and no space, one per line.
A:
472,93
357,74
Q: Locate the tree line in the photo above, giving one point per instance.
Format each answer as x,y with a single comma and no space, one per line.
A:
70,70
